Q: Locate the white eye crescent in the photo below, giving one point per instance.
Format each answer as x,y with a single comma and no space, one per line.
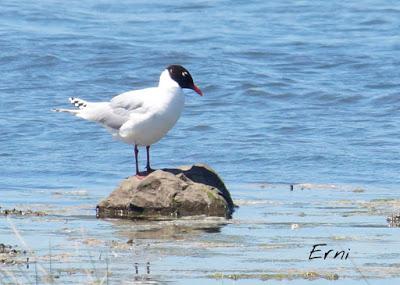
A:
184,73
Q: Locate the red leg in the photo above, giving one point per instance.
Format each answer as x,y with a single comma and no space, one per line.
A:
136,160
149,169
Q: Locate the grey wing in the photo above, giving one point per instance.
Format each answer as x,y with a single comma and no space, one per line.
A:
118,111
104,114
130,103
114,119
127,104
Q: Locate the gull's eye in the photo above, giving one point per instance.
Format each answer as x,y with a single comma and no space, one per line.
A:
184,73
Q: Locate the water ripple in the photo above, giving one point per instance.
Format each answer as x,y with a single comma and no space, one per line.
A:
284,78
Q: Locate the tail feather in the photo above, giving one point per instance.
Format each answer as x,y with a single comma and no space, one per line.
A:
79,103
99,112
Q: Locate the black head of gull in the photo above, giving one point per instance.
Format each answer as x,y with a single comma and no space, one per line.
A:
182,76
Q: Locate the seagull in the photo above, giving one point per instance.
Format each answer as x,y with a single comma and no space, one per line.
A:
140,117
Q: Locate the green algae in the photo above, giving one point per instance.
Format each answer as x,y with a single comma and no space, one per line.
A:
309,275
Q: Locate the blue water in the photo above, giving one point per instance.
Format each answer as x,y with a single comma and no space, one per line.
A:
295,92
304,91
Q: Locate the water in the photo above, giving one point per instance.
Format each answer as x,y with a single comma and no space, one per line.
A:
303,92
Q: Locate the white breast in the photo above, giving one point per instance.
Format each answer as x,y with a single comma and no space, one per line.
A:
162,109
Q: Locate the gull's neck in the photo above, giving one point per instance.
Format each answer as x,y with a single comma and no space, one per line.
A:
166,81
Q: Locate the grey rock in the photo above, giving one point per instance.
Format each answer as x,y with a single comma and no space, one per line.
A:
169,193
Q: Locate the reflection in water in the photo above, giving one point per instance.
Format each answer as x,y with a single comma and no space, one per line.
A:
167,230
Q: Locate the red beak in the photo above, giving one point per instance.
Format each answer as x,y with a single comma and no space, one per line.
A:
197,90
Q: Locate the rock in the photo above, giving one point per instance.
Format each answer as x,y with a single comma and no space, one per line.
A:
169,193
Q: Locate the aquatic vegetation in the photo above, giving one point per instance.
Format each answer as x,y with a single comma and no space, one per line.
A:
310,275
